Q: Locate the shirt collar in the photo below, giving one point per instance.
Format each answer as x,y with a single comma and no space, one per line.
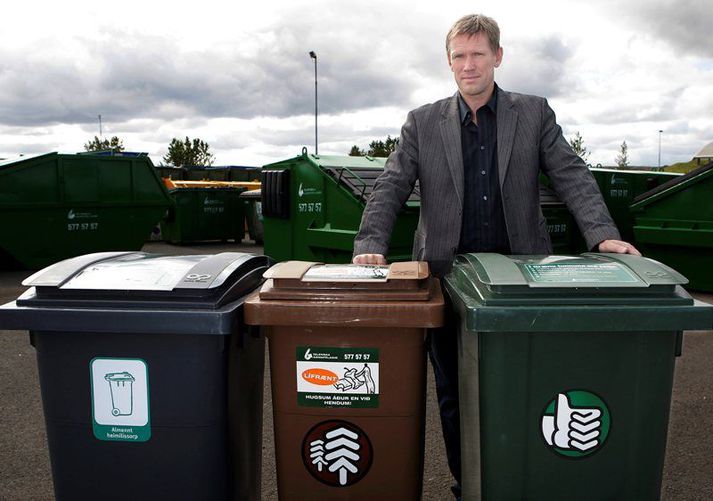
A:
465,113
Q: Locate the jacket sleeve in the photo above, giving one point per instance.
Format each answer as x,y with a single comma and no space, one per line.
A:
574,183
391,191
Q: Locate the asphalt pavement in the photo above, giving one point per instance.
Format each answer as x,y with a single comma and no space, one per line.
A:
24,458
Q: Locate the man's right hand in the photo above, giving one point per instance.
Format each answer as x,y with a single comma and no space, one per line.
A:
369,259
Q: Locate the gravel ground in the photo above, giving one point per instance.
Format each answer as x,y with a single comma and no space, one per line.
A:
24,460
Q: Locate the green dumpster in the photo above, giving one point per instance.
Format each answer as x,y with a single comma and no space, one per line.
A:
566,372
253,215
55,206
200,214
312,207
620,187
674,224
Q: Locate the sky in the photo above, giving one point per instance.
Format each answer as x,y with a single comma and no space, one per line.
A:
239,76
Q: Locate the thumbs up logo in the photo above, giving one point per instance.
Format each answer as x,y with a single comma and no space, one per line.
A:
576,423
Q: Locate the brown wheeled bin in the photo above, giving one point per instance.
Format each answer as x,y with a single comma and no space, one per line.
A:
348,376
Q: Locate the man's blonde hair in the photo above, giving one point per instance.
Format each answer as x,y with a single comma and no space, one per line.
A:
472,24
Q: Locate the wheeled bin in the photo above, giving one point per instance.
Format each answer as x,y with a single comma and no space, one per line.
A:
348,376
151,385
566,372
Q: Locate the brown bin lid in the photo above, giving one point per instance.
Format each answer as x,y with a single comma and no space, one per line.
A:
302,293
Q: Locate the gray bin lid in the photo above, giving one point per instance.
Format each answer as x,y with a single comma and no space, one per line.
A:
587,292
137,292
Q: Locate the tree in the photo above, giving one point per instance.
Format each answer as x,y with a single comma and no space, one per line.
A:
622,159
577,144
188,153
96,144
377,148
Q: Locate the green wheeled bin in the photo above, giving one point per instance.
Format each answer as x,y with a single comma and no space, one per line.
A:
566,372
205,213
674,224
151,383
55,206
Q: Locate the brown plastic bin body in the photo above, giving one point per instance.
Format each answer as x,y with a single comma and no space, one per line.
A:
385,436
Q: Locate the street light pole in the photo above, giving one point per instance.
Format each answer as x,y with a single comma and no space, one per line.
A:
660,131
100,126
313,55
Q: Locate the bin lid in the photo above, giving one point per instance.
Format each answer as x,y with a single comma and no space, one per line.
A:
589,278
139,280
590,292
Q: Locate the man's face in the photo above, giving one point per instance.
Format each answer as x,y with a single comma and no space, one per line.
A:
473,63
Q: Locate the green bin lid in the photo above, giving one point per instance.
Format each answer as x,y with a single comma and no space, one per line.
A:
586,292
585,279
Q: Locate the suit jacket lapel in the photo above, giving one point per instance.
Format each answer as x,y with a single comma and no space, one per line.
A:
506,125
450,133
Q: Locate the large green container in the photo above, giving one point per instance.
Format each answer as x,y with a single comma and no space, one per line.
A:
674,224
205,214
620,187
312,207
566,371
55,206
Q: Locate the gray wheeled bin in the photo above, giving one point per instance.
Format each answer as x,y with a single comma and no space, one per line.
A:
151,385
566,371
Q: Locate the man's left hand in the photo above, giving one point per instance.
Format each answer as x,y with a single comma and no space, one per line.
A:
618,247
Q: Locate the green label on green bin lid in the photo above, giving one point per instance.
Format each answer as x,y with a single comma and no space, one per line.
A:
120,399
576,423
337,377
569,273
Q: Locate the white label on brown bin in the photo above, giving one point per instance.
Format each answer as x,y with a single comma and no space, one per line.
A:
337,453
337,377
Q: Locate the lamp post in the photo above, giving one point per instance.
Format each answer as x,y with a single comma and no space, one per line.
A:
660,131
100,126
313,55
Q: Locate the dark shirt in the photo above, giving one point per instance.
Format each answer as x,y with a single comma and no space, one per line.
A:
483,227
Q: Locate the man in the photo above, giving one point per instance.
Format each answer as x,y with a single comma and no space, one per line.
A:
477,156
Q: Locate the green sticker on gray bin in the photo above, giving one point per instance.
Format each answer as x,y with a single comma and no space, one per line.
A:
337,377
576,423
568,273
120,399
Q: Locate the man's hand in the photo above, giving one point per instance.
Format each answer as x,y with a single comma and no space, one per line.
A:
618,247
369,259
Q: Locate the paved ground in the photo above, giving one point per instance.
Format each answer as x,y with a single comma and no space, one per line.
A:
24,460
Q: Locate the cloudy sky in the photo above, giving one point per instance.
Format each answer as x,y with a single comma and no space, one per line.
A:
238,74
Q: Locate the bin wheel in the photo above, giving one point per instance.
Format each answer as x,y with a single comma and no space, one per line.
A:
115,412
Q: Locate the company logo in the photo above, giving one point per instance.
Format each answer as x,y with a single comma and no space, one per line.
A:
322,377
337,453
302,191
308,354
576,423
212,201
81,215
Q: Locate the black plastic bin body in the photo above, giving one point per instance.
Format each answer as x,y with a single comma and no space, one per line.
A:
151,387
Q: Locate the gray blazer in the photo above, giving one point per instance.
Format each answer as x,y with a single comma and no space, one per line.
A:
429,150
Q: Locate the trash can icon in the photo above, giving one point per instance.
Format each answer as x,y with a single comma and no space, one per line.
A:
121,385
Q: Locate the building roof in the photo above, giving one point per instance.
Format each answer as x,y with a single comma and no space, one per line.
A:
706,151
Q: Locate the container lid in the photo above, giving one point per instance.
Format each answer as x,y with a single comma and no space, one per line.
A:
308,280
586,279
140,280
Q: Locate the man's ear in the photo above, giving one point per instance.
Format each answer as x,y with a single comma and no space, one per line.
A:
498,57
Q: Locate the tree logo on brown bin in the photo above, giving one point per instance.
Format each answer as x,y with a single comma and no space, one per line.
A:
337,453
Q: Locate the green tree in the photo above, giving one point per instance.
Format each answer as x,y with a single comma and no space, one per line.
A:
622,159
577,144
377,148
96,144
188,153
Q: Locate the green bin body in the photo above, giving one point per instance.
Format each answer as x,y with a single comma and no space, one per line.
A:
205,214
566,371
674,224
56,206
